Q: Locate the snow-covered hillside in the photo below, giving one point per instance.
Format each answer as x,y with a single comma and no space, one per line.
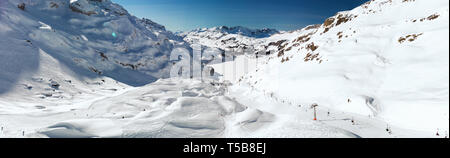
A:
87,68
61,49
89,37
56,55
387,59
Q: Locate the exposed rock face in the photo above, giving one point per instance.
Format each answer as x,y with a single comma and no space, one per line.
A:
21,6
94,7
76,8
152,25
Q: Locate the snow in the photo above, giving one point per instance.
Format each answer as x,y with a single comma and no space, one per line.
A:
132,49
167,108
403,84
83,128
63,74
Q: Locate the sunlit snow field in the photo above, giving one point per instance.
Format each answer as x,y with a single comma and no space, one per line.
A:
83,69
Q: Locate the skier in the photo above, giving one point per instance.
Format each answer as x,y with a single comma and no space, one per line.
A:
388,129
437,133
211,72
353,121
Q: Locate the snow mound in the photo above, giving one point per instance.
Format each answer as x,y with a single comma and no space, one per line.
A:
88,128
169,108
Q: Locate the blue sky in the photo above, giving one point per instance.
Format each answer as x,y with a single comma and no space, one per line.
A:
185,15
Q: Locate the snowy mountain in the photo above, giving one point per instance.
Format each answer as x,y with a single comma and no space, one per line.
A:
87,68
368,62
56,55
90,37
225,30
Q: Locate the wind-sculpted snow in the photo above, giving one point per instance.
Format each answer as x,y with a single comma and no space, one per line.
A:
88,69
167,108
87,128
177,108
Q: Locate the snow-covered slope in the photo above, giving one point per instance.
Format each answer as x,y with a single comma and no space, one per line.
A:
55,51
56,55
77,68
67,69
386,58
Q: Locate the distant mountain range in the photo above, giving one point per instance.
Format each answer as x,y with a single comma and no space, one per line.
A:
94,70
